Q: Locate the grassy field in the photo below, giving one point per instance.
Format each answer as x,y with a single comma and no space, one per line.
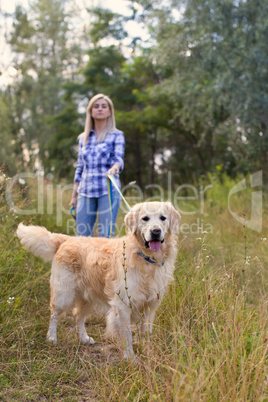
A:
210,337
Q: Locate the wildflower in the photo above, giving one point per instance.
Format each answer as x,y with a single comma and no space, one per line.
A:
247,260
10,300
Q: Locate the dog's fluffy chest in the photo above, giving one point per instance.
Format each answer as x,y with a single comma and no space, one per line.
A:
147,283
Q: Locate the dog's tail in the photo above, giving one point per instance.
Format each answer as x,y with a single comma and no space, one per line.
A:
40,241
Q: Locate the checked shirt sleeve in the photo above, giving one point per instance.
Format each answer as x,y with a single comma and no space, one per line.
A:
119,150
80,163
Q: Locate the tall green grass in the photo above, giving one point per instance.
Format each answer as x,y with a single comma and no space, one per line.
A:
210,337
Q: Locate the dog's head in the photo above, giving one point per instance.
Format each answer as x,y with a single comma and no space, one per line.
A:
152,221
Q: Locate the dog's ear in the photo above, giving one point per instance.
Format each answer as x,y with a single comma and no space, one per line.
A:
174,218
131,219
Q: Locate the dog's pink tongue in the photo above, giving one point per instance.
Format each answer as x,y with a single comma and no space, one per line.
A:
155,245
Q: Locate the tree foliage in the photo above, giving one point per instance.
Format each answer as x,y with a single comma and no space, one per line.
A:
193,101
216,55
7,137
39,43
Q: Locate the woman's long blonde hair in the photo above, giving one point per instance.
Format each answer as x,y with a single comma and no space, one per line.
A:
89,125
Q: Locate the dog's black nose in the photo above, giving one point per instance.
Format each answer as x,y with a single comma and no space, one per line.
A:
156,232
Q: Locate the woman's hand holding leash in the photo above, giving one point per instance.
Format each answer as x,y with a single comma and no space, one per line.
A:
73,201
114,170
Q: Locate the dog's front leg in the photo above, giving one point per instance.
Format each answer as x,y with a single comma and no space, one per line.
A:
125,333
52,331
148,319
118,324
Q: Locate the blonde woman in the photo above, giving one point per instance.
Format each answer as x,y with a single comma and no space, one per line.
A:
101,152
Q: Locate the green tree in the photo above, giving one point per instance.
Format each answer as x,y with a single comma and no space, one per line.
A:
7,138
39,40
215,56
60,149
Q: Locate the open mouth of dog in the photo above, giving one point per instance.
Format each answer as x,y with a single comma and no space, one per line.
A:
154,245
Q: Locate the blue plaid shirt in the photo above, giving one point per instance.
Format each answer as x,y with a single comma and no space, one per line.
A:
95,159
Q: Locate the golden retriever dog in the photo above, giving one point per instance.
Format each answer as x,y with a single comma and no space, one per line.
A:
126,277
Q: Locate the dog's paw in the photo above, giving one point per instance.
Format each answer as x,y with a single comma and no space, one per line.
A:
52,339
87,340
129,355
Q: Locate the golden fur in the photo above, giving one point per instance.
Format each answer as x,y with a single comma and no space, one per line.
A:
110,273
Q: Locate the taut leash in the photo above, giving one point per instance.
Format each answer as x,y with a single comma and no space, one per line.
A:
111,180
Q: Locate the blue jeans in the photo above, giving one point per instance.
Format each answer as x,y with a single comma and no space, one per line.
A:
86,213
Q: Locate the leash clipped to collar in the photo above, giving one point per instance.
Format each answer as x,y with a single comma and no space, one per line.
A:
111,180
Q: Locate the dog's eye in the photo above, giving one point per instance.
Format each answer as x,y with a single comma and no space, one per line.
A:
145,218
163,218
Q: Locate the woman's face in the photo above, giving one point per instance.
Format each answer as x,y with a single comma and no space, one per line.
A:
100,110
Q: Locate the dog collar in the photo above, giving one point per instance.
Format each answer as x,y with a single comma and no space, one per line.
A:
148,259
